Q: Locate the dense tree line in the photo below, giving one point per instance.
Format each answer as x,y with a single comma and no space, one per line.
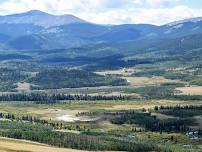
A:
43,98
180,111
151,123
28,118
63,78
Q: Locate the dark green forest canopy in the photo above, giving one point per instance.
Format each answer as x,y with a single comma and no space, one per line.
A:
61,78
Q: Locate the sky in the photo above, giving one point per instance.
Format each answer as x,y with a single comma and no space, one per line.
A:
156,12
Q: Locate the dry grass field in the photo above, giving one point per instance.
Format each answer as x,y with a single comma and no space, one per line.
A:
148,104
146,81
52,112
137,81
192,90
14,145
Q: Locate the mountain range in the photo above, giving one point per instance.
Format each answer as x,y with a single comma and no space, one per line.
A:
36,30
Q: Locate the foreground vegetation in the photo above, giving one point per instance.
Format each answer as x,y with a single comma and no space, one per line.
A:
137,129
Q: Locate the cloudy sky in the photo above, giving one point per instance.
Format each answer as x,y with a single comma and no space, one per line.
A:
111,11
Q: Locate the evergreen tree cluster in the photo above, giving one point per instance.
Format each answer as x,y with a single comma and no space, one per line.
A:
40,98
152,123
46,134
180,111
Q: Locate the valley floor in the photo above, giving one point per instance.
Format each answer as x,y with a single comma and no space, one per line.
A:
147,118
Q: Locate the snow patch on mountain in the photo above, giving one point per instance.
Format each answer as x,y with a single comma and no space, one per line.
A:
194,20
178,26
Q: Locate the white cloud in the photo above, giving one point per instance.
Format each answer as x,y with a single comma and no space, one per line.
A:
108,11
152,16
160,3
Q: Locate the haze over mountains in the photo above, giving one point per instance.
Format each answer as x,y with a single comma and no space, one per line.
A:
36,30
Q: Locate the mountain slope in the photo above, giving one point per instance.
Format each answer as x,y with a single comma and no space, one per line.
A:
15,30
140,46
28,42
4,38
178,28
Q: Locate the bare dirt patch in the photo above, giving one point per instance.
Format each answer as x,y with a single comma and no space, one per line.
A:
120,72
22,87
67,118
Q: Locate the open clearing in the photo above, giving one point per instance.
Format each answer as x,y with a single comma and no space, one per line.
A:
69,113
114,93
42,111
137,81
67,118
13,145
22,87
192,90
122,72
146,81
145,104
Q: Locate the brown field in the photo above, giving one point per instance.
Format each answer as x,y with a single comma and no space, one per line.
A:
146,81
192,90
145,104
13,145
137,81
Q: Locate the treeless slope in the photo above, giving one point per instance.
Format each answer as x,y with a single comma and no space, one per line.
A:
191,90
14,145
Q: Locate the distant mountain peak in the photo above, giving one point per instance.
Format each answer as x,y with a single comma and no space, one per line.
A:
28,13
36,12
40,18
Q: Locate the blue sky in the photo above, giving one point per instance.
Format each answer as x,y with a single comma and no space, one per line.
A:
111,11
193,3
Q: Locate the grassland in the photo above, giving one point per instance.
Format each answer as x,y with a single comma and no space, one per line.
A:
14,145
191,90
137,81
52,111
